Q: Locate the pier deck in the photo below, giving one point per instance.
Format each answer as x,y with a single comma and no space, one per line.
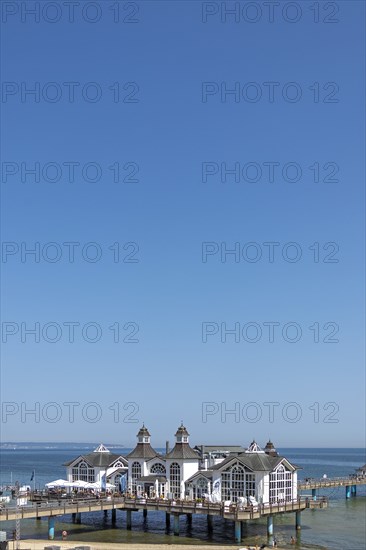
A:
328,483
233,512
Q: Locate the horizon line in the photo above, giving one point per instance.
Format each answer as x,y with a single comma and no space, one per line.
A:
127,447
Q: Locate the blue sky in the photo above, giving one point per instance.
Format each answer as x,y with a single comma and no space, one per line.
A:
162,62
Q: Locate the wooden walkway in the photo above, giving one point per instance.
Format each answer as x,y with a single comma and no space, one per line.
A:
331,482
234,512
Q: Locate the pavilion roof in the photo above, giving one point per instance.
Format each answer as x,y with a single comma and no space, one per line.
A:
96,459
201,473
142,450
257,462
182,450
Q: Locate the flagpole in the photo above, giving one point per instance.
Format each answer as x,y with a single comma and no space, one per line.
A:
33,478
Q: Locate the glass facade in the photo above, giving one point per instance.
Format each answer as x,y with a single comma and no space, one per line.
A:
84,472
237,482
135,474
280,485
175,480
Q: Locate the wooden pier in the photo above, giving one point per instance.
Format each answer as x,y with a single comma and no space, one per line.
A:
328,483
172,509
40,506
233,512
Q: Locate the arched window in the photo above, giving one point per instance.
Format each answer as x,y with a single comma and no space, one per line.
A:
83,472
175,480
249,484
83,469
280,485
118,464
117,482
158,469
237,482
135,474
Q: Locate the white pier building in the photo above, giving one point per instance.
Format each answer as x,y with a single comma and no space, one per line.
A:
213,473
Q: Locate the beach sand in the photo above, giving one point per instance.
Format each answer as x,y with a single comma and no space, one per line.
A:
32,544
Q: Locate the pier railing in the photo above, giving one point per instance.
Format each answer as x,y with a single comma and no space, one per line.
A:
324,483
231,511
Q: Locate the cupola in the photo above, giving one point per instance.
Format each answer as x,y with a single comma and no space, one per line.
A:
254,448
101,449
182,435
182,450
144,435
270,449
143,448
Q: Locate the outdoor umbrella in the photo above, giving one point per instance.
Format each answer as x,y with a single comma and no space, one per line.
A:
58,483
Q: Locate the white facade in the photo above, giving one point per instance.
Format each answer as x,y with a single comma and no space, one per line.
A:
161,476
254,475
99,467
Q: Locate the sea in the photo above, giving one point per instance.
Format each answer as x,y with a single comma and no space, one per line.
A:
342,526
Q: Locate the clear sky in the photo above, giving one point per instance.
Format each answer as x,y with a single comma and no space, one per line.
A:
167,134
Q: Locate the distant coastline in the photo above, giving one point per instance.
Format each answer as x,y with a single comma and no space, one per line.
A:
65,445
54,445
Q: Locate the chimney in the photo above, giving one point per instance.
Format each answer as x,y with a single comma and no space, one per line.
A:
167,447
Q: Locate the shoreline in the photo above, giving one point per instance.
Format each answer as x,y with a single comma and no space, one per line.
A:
39,544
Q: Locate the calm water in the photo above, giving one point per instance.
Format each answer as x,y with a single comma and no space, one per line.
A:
341,527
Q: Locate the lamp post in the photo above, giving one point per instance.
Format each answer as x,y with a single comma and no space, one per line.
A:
17,517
